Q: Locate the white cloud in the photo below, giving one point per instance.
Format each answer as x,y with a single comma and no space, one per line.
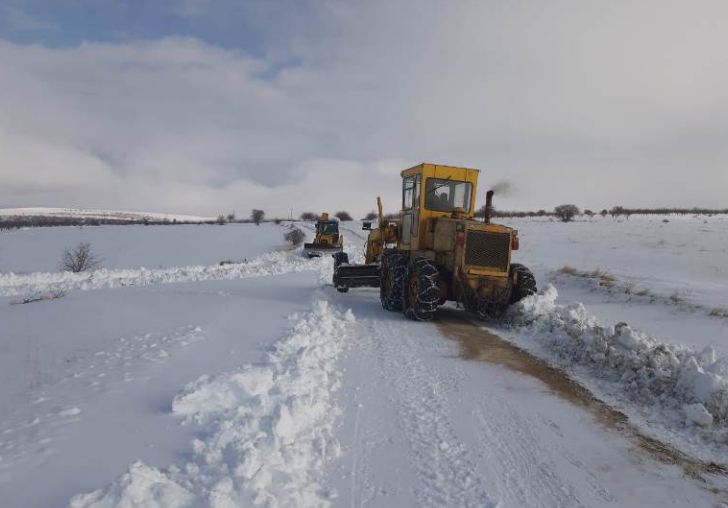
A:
598,104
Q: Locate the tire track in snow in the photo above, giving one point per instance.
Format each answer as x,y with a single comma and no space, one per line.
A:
355,460
527,476
448,474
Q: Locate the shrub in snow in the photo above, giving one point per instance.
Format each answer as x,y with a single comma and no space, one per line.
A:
343,216
672,377
295,236
80,259
309,216
720,312
566,212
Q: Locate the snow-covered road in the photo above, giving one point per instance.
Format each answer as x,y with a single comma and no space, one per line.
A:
426,427
256,384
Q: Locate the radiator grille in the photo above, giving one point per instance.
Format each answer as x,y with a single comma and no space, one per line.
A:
487,249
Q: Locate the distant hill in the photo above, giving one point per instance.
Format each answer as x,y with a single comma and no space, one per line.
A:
103,215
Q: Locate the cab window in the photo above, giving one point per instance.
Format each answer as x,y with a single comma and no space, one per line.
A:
408,193
328,228
444,195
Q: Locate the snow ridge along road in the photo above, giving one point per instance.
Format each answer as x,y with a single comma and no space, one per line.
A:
273,263
678,390
267,429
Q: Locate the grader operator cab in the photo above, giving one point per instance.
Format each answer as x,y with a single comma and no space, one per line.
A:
436,251
328,240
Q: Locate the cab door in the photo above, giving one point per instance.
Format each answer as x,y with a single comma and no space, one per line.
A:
408,212
411,198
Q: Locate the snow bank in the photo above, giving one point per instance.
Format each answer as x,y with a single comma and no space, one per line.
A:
678,378
274,263
140,486
267,430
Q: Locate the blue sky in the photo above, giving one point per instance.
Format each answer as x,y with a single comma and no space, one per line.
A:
68,23
205,106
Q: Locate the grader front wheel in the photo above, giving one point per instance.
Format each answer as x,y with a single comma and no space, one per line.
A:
525,283
422,290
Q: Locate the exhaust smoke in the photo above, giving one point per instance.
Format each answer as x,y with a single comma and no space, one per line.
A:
503,188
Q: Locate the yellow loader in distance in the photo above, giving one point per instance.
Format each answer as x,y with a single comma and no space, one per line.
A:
437,252
328,240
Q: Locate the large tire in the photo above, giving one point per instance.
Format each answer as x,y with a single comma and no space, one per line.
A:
422,290
340,258
525,283
391,281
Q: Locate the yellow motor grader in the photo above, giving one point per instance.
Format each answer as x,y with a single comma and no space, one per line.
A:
437,252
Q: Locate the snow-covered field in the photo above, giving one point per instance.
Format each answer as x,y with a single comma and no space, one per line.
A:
190,384
40,249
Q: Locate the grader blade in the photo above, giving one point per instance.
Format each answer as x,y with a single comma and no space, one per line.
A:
316,250
356,276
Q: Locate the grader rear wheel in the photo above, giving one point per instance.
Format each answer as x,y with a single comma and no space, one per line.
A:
422,290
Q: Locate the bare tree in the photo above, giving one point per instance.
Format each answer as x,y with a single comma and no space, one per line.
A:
231,217
371,216
221,219
295,236
309,216
616,211
80,259
566,212
257,216
343,216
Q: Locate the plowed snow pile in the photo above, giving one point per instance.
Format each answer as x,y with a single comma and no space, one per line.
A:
690,387
274,263
267,430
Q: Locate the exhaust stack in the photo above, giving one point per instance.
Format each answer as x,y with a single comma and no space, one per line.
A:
489,205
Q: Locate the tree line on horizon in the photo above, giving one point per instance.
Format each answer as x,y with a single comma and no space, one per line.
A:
565,213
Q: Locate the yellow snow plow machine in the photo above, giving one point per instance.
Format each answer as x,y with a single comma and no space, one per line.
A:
328,240
436,251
